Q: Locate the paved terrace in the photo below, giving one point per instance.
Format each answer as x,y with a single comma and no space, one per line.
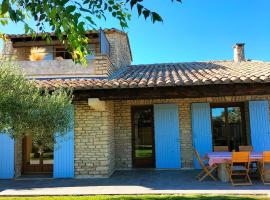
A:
129,182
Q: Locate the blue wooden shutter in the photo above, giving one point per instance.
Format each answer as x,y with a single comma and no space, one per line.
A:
259,125
6,156
201,129
167,137
64,154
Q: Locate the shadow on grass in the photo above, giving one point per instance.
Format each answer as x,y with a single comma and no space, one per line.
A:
138,197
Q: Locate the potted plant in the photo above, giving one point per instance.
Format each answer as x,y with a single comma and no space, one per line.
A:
37,53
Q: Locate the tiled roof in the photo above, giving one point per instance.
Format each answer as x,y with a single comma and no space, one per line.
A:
173,74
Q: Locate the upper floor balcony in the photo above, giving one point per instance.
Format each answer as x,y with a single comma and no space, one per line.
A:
39,59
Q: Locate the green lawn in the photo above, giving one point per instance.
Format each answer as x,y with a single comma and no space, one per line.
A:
145,197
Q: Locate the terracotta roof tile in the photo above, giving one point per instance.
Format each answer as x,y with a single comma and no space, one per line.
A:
172,74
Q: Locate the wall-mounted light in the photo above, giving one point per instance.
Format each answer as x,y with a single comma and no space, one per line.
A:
96,104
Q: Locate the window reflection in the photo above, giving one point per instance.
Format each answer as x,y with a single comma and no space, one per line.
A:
143,134
228,127
143,142
36,160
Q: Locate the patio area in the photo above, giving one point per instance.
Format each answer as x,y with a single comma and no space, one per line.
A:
129,182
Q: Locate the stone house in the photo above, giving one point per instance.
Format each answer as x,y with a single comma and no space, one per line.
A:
140,116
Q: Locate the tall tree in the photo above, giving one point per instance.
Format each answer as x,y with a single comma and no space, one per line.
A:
71,17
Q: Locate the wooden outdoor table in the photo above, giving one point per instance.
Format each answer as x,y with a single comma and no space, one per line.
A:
222,158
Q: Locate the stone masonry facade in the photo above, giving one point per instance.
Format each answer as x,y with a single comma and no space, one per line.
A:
94,140
18,157
120,53
103,139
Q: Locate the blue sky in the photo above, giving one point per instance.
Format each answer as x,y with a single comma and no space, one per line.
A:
197,30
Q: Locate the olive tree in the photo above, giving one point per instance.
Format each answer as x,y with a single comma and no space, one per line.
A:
27,109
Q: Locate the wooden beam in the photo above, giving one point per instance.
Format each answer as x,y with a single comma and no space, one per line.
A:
44,43
25,38
175,92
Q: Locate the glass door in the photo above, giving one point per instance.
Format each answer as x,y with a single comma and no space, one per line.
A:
35,160
143,137
228,125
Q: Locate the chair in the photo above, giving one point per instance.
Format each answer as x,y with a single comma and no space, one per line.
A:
264,168
206,169
221,148
246,148
253,165
239,166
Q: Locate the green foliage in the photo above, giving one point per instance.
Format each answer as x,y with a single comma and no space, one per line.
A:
25,109
71,17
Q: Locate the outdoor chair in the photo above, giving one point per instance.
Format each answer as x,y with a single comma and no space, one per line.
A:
245,148
221,148
264,168
253,165
239,167
206,169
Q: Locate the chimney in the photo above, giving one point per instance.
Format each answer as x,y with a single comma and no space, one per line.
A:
239,52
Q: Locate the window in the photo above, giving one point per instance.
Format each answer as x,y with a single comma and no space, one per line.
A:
228,125
143,136
35,160
92,48
61,52
49,53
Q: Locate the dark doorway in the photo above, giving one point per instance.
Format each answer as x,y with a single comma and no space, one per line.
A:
35,162
228,125
143,147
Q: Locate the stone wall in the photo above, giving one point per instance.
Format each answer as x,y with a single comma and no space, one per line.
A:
18,157
103,65
94,140
8,51
123,132
120,53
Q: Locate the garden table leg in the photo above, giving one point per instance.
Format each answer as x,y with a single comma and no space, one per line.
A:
223,173
267,177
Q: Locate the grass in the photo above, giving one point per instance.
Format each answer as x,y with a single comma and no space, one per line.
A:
144,153
137,197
